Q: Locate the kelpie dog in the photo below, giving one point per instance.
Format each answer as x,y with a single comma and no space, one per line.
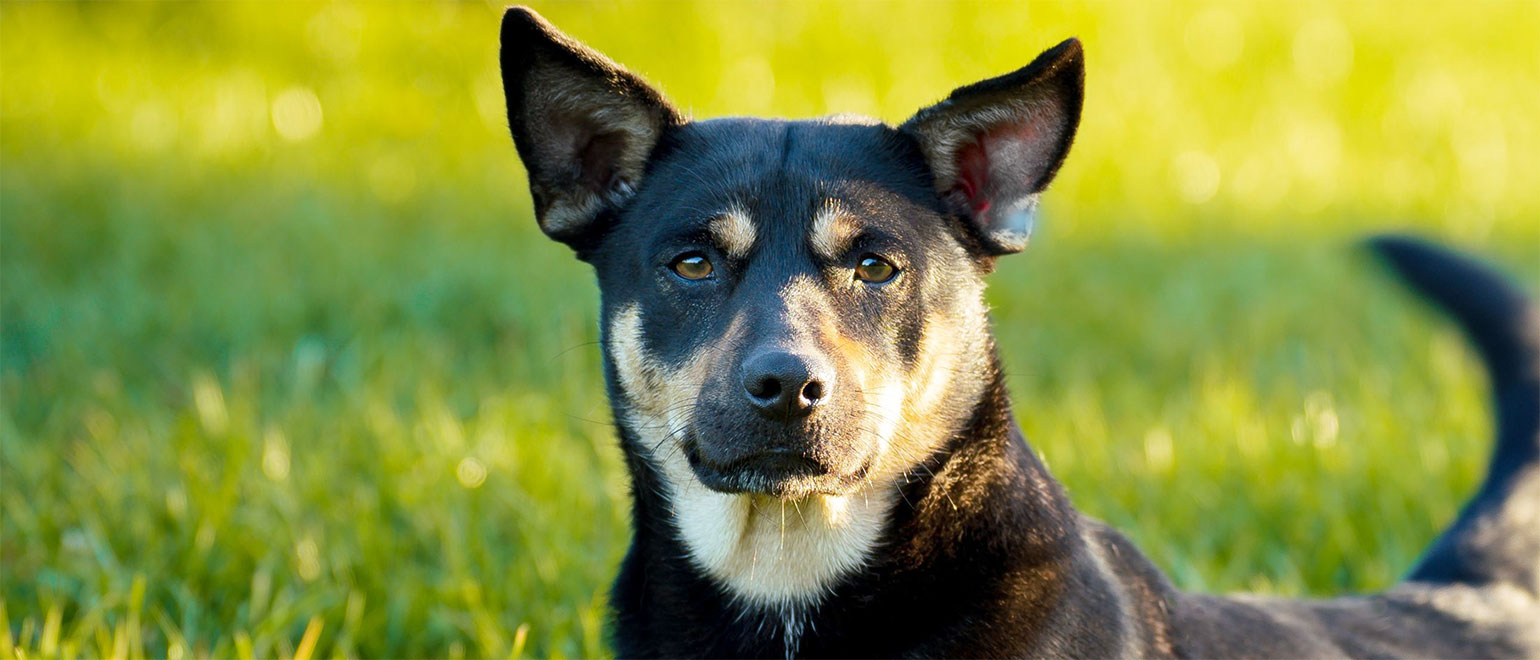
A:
823,460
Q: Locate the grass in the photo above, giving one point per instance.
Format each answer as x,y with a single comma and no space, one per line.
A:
287,370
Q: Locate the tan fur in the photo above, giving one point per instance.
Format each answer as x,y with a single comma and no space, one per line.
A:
734,232
833,229
948,369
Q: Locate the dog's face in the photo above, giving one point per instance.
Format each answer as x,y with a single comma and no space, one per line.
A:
789,308
770,290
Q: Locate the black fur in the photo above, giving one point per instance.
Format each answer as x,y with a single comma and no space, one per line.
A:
981,553
1505,328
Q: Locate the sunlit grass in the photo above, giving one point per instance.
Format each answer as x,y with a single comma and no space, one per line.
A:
287,369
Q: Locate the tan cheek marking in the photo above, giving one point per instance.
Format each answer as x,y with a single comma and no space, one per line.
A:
734,232
933,373
833,228
941,370
638,373
660,397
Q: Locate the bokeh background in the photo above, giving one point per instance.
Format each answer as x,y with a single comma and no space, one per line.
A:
288,370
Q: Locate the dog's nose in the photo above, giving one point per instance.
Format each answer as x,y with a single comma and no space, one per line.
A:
784,386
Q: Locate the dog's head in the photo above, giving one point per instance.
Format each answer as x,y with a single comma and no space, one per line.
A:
789,307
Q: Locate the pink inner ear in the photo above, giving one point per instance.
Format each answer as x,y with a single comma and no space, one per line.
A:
973,179
986,166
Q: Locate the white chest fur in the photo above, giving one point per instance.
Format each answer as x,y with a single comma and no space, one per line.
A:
775,553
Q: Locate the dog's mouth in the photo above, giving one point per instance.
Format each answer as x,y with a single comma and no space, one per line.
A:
783,474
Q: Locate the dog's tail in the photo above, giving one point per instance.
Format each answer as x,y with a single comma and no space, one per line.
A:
1496,538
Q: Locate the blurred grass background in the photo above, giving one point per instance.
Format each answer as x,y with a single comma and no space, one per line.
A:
288,370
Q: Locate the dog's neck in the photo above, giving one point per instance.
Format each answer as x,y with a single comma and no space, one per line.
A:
937,526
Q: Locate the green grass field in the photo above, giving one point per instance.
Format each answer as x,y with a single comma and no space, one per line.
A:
286,368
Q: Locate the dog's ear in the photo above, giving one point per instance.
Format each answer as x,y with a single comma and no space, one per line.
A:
994,145
583,125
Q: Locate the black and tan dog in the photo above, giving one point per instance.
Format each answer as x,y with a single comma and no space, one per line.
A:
823,459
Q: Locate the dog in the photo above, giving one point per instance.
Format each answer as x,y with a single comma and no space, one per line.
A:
822,455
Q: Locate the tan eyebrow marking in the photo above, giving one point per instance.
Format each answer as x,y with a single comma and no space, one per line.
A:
734,232
833,229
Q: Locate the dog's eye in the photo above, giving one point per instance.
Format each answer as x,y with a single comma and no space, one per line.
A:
875,269
692,266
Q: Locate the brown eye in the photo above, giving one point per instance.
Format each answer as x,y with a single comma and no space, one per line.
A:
692,266
875,269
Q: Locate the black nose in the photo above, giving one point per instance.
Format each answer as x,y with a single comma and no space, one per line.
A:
784,386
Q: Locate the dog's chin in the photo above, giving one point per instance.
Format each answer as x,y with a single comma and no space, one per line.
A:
779,475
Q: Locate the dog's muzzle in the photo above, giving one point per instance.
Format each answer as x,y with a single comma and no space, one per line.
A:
781,472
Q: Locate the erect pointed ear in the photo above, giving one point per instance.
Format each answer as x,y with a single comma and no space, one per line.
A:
994,145
583,125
